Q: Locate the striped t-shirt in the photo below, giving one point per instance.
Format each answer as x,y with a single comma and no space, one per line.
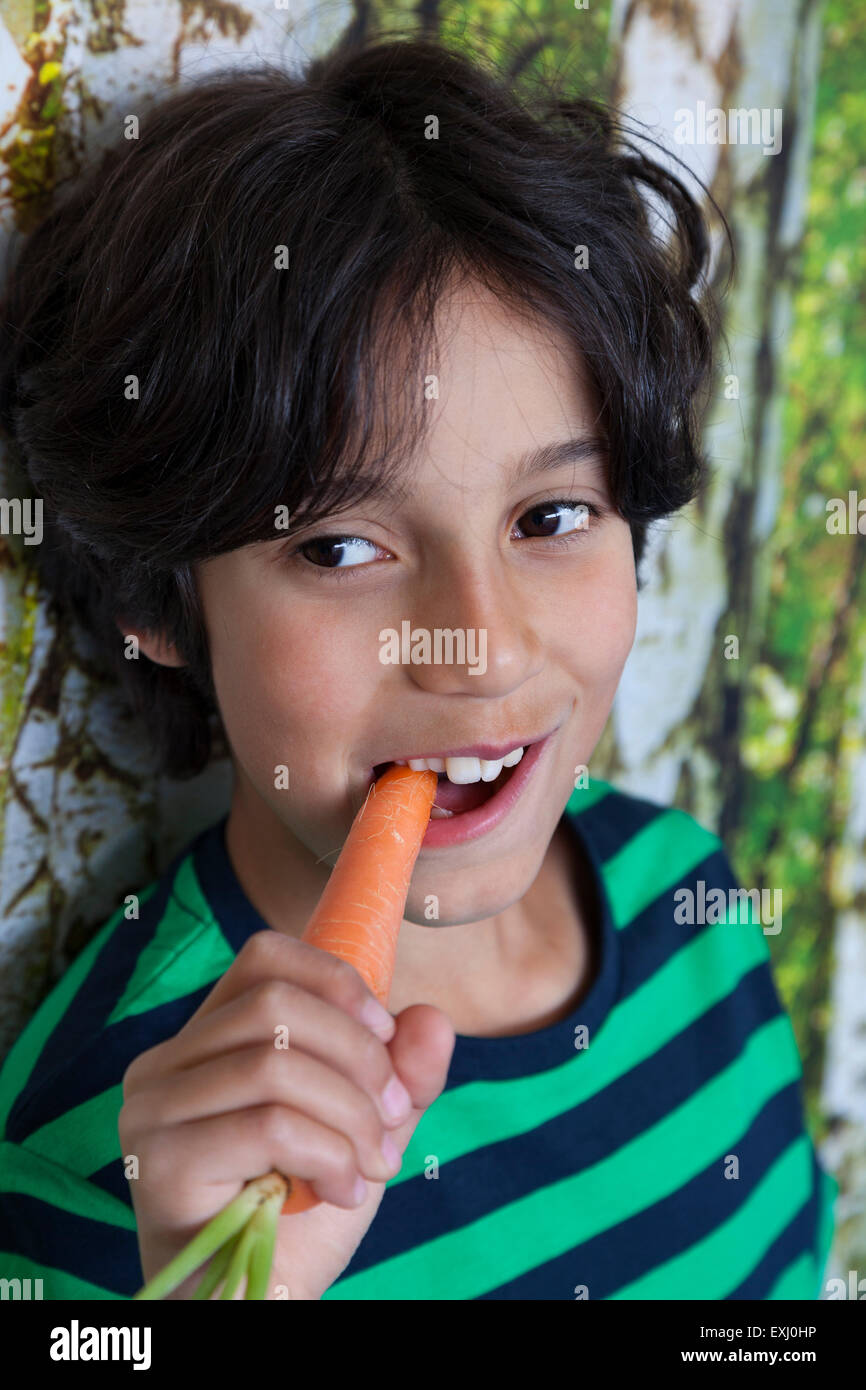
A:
649,1145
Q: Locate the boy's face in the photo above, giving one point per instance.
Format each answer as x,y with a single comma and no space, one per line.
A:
295,642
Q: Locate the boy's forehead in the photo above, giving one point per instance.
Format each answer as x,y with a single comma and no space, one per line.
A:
473,319
494,375
494,391
509,386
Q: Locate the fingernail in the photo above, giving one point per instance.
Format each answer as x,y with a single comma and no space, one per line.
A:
374,1016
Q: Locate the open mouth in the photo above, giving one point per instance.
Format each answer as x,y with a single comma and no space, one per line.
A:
455,799
467,807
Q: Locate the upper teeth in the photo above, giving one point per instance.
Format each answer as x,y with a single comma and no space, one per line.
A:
465,770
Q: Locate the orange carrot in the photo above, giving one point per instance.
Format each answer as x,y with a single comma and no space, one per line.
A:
359,913
358,919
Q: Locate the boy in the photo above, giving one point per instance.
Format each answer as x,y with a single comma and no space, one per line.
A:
593,1100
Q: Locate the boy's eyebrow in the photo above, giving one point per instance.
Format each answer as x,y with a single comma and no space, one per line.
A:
583,448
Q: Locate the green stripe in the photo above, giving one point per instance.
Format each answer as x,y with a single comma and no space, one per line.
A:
86,1135
715,1265
583,797
186,951
36,1176
653,860
56,1283
25,1053
548,1222
481,1113
792,1281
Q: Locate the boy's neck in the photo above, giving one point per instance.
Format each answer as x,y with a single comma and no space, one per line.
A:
513,973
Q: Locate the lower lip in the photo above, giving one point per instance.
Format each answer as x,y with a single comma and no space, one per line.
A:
471,825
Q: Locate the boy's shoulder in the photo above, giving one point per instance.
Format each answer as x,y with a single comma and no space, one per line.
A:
616,814
136,983
666,885
643,846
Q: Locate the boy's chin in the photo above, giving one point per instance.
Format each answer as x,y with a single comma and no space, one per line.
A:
478,903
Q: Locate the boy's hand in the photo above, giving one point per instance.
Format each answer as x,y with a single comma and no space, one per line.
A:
219,1104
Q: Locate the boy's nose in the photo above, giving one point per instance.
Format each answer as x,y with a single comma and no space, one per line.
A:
493,645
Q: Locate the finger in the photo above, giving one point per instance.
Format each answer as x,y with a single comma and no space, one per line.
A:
269,955
255,1020
207,1162
259,1076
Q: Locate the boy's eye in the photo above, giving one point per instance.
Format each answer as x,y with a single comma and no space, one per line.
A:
336,552
562,520
544,519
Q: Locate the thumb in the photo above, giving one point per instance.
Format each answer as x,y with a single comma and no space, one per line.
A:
421,1051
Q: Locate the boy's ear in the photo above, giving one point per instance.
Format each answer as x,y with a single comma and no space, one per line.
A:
153,644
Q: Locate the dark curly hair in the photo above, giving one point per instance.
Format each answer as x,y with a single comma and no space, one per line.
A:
259,386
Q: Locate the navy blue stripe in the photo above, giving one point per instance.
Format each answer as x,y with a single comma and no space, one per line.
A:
627,1251
495,1174
93,1250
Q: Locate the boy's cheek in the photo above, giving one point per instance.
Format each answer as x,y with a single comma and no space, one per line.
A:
595,660
596,645
287,683
297,715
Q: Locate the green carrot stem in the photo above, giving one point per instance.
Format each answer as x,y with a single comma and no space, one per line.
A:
216,1269
211,1237
265,1220
239,1260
